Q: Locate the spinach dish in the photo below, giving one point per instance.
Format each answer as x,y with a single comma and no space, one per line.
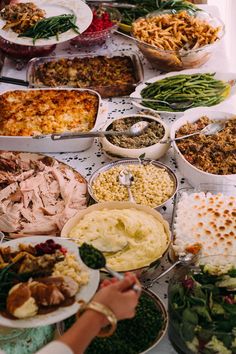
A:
202,309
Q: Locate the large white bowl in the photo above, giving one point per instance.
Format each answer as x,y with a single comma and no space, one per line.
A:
154,151
190,172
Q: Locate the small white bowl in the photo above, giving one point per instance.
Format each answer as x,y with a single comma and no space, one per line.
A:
154,151
190,172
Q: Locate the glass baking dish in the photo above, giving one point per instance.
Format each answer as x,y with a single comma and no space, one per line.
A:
113,90
227,190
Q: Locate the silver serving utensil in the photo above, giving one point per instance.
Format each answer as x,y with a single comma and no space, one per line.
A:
98,261
210,129
135,130
113,4
183,260
173,105
126,179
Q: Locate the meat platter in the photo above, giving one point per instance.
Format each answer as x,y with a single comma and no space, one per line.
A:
38,194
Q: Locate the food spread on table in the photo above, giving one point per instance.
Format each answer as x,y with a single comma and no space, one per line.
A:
38,279
213,154
41,196
35,112
140,237
196,89
37,194
207,222
110,76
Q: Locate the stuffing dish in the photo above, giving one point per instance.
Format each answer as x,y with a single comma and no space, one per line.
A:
110,76
20,17
152,135
35,112
213,154
37,194
30,282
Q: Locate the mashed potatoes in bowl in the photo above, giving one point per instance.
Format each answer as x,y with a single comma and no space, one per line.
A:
135,235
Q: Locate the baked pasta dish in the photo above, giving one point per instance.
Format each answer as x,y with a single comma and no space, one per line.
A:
33,112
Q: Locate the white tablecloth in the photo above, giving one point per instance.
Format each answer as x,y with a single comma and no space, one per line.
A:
88,161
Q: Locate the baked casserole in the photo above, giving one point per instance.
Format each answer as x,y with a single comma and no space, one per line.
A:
33,112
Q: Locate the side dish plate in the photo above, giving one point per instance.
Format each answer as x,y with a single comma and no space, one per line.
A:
79,8
86,292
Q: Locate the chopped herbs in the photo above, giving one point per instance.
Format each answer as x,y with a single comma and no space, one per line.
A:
92,257
51,26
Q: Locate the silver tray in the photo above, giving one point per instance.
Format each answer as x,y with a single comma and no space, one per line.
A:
134,162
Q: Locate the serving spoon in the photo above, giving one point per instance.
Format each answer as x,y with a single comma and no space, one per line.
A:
126,179
173,105
135,130
210,129
186,259
94,259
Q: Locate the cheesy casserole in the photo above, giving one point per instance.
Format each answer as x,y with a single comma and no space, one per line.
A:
33,112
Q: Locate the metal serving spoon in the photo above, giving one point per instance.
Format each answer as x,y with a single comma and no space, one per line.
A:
210,129
183,260
94,259
173,105
135,130
126,179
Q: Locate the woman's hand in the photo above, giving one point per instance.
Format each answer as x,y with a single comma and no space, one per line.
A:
119,296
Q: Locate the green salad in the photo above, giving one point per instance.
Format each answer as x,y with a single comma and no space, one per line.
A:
202,309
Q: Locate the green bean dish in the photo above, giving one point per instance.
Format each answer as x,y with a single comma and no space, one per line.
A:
200,89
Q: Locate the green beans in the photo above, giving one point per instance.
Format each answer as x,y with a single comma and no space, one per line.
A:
146,6
201,89
51,26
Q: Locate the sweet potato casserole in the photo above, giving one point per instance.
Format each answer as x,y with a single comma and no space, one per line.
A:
214,154
109,76
32,112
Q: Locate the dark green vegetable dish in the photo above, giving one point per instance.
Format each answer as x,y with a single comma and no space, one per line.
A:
202,309
131,336
91,256
144,7
200,89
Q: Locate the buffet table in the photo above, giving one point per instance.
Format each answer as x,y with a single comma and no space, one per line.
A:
88,161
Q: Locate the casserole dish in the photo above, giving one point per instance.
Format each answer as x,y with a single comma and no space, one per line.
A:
194,175
46,144
67,67
152,151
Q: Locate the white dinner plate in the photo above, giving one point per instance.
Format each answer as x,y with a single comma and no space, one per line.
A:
86,292
79,8
219,76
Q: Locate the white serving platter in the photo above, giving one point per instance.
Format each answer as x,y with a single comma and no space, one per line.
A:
46,144
79,8
225,76
86,292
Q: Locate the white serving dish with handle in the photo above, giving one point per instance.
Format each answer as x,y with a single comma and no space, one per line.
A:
224,76
194,175
46,144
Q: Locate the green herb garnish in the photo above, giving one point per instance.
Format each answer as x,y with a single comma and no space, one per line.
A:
51,26
91,256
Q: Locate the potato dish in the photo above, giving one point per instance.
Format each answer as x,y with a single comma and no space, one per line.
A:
152,185
34,112
141,237
213,154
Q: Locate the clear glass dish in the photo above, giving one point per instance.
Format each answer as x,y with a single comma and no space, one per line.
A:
90,39
201,310
171,60
113,90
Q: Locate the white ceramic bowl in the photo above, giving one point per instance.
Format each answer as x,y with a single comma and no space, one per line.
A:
154,152
190,172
